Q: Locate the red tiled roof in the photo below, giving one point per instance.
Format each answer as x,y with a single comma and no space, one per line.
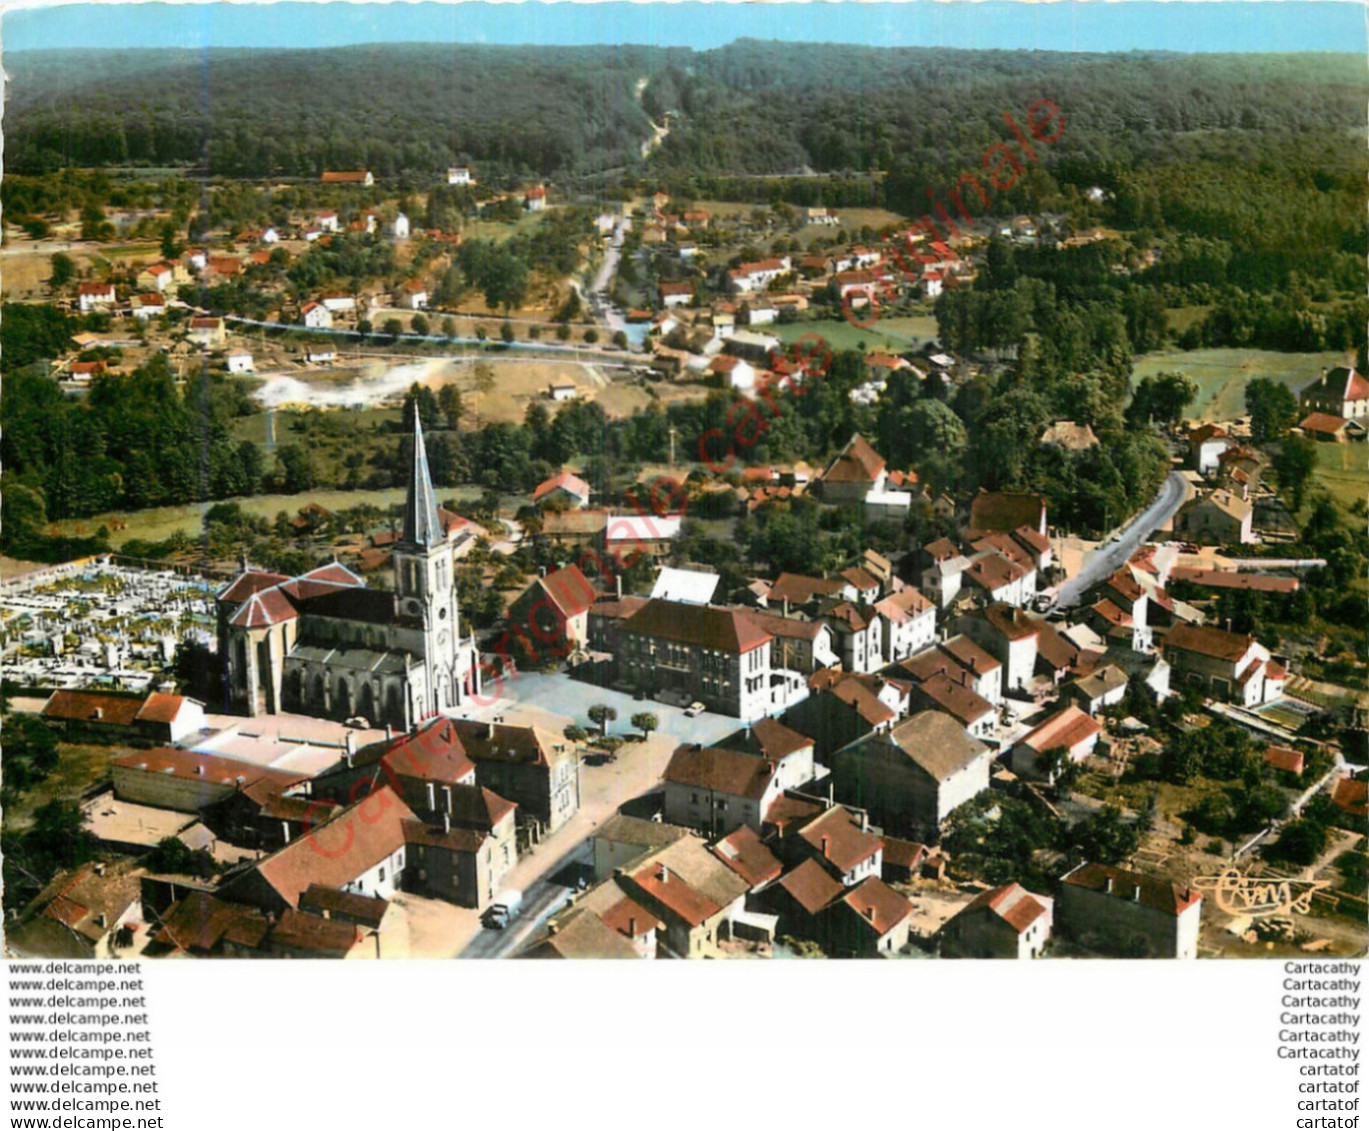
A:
903,606
1012,903
1322,422
799,589
1160,895
955,699
338,852
857,463
630,918
877,905
775,740
811,886
1351,795
160,708
268,607
1229,579
213,769
836,836
93,706
1068,728
665,886
1212,642
743,852
569,590
566,481
723,630
1284,758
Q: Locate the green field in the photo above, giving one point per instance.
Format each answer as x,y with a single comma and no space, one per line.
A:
157,523
1222,374
892,334
1343,469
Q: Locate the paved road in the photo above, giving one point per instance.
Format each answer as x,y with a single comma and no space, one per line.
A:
540,902
1111,557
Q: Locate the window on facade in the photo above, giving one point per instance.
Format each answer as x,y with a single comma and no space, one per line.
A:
382,875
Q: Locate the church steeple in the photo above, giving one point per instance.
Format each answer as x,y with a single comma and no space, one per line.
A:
422,527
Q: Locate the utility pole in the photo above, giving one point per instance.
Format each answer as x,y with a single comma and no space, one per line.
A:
674,433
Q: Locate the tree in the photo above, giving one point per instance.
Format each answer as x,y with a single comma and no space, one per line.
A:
392,328
449,402
1294,463
63,270
645,722
620,339
1273,409
170,247
602,714
591,336
506,331
419,325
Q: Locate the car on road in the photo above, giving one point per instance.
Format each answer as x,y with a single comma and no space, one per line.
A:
694,710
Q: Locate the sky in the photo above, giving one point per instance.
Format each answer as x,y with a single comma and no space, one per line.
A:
1067,25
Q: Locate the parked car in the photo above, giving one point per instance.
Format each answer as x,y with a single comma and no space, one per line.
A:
695,709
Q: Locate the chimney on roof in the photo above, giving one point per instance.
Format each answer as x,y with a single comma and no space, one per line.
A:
870,914
824,848
632,926
663,874
200,770
389,732
349,743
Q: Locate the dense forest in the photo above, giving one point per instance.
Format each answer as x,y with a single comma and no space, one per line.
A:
1253,158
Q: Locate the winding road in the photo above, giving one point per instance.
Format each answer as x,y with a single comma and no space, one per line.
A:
1110,557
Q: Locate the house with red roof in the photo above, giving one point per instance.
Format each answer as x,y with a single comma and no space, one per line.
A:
1113,911
554,610
1070,731
694,893
1231,666
1003,922
93,296
716,656
563,488
1341,391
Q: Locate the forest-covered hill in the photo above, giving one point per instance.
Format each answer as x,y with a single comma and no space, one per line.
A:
748,108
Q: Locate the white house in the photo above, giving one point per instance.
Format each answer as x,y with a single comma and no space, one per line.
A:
735,372
459,175
317,316
400,227
912,623
197,258
416,295
1069,729
326,222
1115,911
239,362
148,306
337,301
751,277
322,354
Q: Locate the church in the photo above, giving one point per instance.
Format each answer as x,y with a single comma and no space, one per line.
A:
324,644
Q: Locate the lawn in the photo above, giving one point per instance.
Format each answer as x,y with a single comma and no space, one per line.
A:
1343,469
892,334
1222,374
157,523
78,768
